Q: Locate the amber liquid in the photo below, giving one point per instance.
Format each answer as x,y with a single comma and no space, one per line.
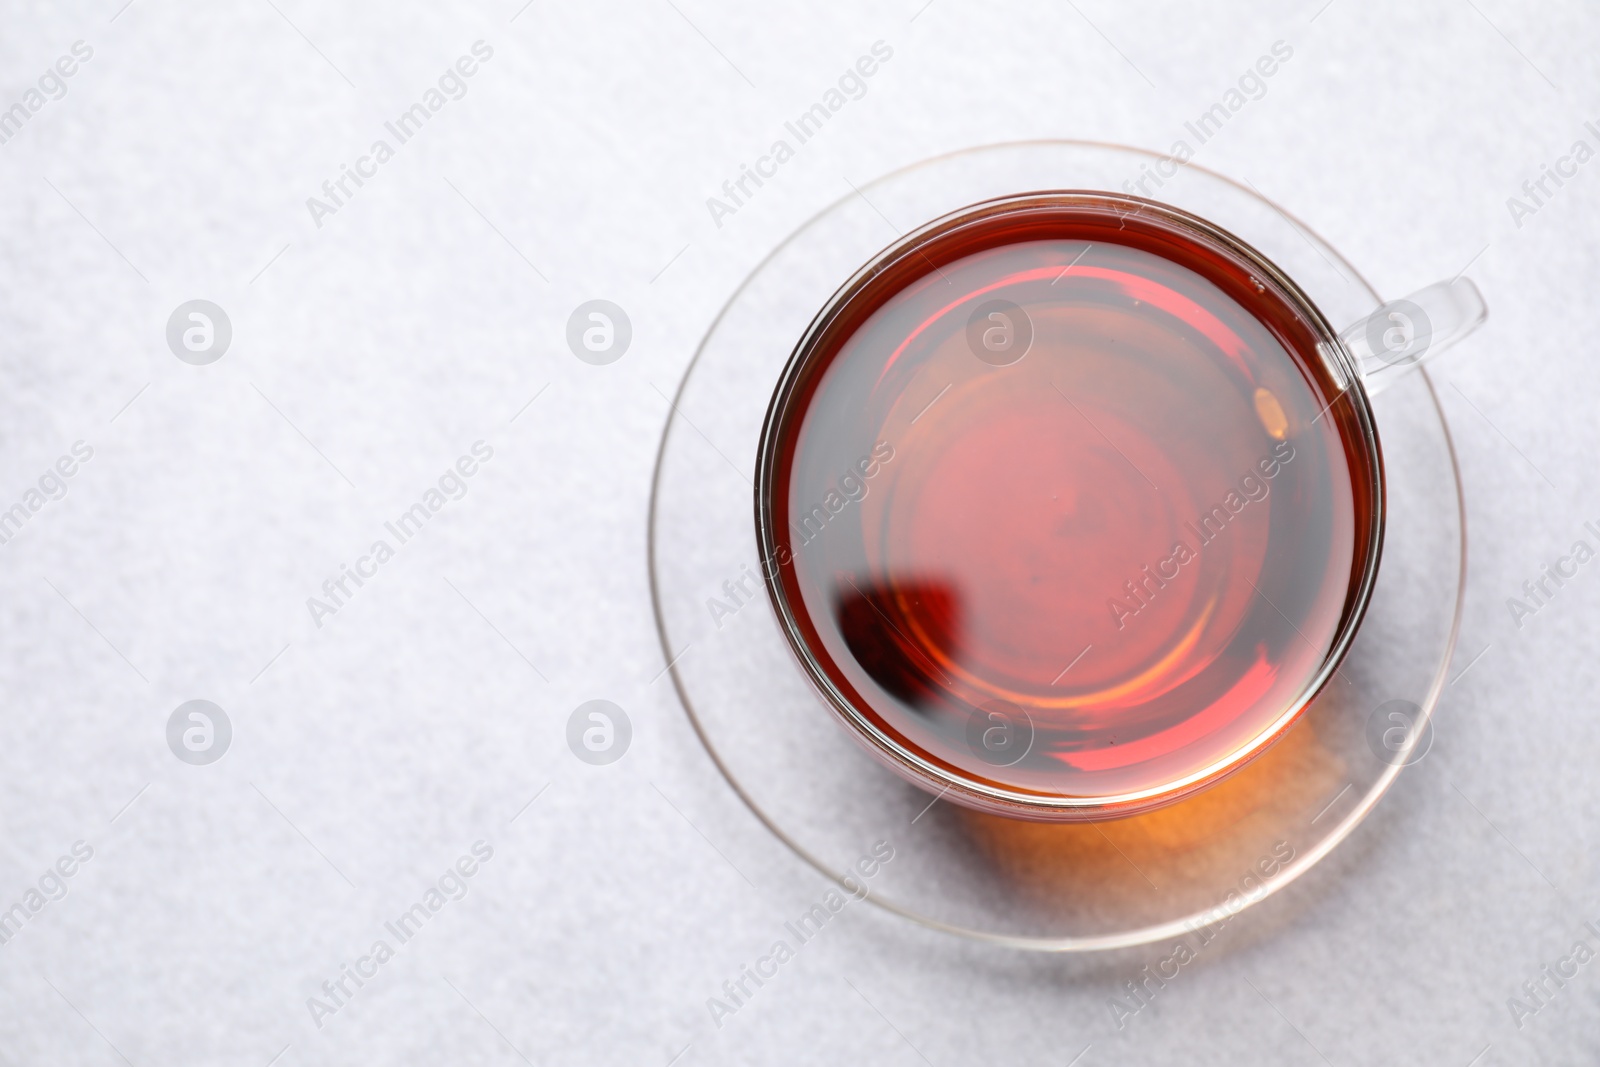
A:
1128,519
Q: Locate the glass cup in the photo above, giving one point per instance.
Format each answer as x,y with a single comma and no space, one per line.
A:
1070,503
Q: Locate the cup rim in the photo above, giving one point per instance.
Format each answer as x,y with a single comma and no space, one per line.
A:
906,759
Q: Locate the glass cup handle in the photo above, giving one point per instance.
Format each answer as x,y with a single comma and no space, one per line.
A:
1405,333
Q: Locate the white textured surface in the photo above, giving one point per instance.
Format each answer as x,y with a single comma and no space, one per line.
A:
407,727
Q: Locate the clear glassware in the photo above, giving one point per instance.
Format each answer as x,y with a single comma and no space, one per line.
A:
1064,886
946,700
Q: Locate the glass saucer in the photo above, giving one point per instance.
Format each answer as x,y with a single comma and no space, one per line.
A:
1053,887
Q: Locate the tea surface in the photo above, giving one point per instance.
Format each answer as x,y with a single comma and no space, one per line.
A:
1075,516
